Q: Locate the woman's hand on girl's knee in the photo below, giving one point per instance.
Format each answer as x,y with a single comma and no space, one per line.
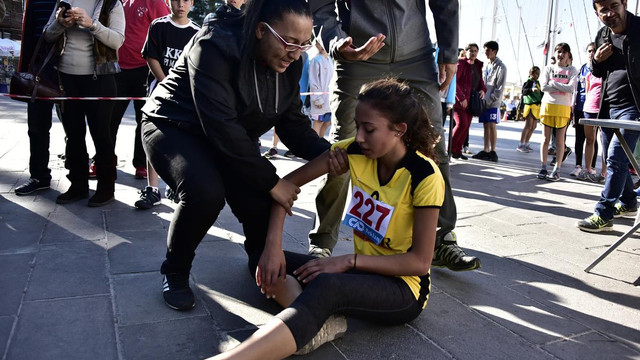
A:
271,271
338,162
313,268
285,193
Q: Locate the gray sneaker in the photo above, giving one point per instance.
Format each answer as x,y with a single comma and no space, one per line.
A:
583,175
319,252
624,211
333,328
597,178
450,255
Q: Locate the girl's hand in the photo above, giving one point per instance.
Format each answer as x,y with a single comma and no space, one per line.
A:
338,162
80,17
285,193
313,268
271,271
64,17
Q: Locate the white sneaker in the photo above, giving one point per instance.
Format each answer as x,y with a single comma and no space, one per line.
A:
333,328
576,171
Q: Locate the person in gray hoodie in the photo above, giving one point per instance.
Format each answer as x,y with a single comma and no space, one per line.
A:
494,75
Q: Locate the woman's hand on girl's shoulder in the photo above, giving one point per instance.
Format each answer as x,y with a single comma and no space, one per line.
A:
338,162
315,267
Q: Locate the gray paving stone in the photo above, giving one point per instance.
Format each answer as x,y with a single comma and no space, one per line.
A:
192,338
131,219
78,328
138,299
591,346
20,229
74,222
138,251
6,324
69,269
15,271
466,335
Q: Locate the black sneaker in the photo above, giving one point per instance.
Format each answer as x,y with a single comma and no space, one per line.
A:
149,197
624,211
32,185
553,161
594,223
543,174
176,292
270,153
459,156
449,254
289,154
481,155
493,156
567,152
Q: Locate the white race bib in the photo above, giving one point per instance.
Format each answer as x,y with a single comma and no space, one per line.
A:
368,215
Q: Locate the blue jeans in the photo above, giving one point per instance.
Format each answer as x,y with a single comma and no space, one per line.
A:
618,185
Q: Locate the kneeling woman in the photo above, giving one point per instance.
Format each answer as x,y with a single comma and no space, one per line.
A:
235,80
397,193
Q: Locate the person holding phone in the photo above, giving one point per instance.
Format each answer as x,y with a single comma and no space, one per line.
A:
93,31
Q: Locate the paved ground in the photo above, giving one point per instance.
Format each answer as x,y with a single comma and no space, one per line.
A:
83,283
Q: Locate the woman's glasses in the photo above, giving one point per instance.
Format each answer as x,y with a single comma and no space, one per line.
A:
287,45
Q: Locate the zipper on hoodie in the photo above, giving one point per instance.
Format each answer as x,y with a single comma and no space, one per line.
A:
393,43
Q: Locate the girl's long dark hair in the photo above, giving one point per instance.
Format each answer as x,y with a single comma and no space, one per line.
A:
398,103
268,11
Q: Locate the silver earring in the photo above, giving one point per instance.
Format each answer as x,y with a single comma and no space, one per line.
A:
398,133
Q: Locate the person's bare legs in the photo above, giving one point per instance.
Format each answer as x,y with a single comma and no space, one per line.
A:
274,340
152,176
321,127
544,147
493,135
531,124
559,147
487,137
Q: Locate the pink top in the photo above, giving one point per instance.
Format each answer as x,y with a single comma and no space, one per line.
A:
592,101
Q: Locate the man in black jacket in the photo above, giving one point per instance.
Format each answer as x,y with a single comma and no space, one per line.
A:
36,15
615,61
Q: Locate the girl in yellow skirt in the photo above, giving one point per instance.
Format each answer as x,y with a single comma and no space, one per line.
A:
558,83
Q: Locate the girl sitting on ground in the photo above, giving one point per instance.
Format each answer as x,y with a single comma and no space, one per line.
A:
397,193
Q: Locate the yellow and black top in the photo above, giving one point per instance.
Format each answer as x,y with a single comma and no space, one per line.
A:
381,214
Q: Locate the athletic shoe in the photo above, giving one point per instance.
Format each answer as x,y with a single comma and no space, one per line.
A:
493,156
449,254
149,197
553,161
333,328
596,178
567,152
141,172
551,151
171,195
624,211
289,154
529,148
553,176
459,156
594,223
465,150
92,170
522,149
32,185
319,252
176,292
583,175
543,174
482,155
270,153
576,171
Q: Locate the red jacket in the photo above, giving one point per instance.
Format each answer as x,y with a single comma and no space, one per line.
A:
465,78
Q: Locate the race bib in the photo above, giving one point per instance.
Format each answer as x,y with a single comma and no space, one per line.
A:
368,215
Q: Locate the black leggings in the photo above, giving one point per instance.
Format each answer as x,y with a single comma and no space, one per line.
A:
98,114
385,300
580,139
188,164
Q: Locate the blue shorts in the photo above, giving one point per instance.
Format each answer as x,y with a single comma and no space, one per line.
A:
323,118
490,116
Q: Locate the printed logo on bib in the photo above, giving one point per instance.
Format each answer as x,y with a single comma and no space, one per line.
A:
368,215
